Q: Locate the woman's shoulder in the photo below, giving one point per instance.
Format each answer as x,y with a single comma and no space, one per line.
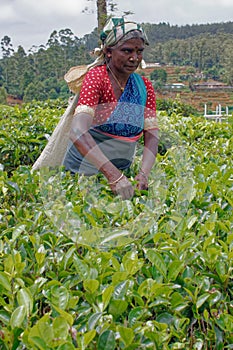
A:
148,84
146,81
97,71
95,77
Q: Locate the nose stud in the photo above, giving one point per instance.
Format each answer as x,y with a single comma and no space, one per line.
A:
132,59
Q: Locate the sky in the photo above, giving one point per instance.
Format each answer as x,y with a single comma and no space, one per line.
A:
30,22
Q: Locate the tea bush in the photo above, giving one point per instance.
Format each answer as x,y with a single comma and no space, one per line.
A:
168,285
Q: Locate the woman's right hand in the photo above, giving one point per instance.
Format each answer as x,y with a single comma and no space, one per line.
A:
123,188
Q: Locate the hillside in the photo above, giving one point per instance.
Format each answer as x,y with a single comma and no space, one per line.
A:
162,32
211,95
198,99
204,49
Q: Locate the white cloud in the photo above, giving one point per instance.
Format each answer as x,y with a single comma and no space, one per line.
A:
216,3
50,7
30,22
7,13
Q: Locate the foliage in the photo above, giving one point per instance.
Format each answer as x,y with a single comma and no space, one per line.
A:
159,74
175,107
3,95
170,288
163,32
24,131
26,76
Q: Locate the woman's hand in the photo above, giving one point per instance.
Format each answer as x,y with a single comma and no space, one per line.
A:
142,181
122,187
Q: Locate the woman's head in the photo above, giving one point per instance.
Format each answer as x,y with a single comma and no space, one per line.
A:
126,56
123,44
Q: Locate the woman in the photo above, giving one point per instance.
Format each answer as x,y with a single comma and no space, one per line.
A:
116,107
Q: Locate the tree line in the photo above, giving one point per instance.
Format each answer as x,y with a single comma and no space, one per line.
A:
38,74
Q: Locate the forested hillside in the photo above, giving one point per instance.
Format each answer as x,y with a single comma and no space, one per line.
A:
38,73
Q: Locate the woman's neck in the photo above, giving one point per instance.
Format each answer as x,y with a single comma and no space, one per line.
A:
119,80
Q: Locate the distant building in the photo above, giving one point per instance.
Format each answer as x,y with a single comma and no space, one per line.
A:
151,65
215,85
174,86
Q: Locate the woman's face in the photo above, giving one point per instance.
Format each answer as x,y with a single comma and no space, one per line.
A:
126,58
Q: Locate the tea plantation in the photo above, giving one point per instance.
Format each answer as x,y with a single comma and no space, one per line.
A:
81,269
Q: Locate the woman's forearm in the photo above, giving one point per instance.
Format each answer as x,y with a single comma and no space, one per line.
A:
151,140
88,148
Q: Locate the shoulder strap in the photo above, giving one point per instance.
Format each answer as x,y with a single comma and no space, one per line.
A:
142,87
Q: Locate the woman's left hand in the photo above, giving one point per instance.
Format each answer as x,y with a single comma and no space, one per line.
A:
142,181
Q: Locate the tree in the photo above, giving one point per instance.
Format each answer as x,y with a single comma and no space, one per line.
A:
7,51
3,95
6,46
29,93
101,13
64,50
20,67
228,64
159,75
35,91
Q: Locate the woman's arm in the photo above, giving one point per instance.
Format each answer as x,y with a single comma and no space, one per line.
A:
87,146
151,140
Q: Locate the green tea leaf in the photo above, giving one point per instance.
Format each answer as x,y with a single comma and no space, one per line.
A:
106,296
18,317
131,263
106,341
81,267
60,327
66,346
127,335
40,343
91,285
5,281
24,297
135,315
174,269
120,290
117,307
202,299
157,260
165,317
59,297
225,322
17,232
89,336
4,317
65,315
93,320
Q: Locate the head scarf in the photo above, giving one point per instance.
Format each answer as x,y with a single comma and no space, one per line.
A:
116,29
115,32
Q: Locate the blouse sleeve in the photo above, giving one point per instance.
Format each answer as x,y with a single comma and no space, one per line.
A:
90,92
150,121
